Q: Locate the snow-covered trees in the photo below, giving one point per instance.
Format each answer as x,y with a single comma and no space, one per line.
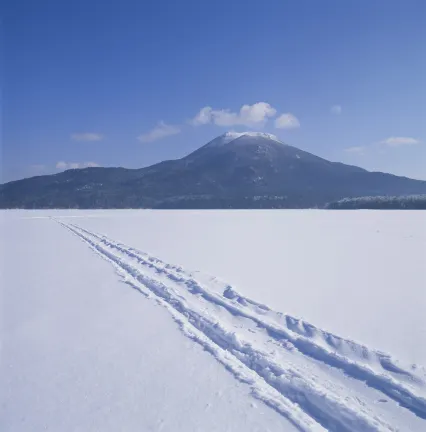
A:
409,202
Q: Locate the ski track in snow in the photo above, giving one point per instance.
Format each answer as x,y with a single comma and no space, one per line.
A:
284,359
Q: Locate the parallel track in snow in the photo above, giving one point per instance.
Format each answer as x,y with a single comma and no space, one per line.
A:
300,394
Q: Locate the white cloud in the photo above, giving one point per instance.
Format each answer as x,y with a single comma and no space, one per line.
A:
162,130
86,136
203,117
336,109
399,141
255,115
61,165
389,142
287,121
356,149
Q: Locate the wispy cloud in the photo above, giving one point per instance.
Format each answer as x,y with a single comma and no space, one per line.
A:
355,149
336,109
380,146
162,130
400,141
287,121
87,136
255,115
61,165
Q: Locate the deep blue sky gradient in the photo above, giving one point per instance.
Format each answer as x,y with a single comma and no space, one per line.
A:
118,67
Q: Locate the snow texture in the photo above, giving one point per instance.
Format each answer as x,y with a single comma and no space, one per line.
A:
228,137
310,377
359,274
81,351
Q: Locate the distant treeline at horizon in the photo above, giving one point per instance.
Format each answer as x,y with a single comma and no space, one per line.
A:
409,202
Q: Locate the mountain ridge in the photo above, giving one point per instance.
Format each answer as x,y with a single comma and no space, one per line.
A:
234,170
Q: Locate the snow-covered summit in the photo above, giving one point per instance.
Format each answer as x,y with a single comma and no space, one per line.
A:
227,137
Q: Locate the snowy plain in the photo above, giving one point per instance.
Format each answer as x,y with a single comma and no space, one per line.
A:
184,351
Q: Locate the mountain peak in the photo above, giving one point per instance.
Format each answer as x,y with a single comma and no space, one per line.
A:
235,135
235,170
229,136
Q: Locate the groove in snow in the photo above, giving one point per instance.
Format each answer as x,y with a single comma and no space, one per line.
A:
303,398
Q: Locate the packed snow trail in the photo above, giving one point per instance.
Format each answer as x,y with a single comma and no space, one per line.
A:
316,379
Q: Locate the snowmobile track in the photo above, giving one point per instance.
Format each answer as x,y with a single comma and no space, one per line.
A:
304,400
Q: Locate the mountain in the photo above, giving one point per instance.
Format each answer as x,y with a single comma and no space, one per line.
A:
235,170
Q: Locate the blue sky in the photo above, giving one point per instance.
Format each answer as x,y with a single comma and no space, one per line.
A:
131,83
